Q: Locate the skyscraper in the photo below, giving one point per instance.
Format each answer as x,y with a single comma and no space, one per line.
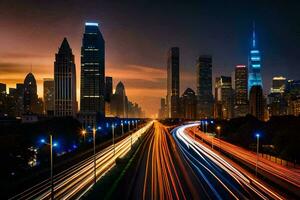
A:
2,89
108,88
173,83
92,85
255,77
119,102
204,86
277,104
30,94
256,102
163,109
49,92
188,102
278,84
241,91
224,97
65,81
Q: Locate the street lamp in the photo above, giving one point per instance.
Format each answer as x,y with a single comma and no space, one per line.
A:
83,133
128,125
206,126
94,142
113,136
51,144
122,128
136,124
257,146
219,134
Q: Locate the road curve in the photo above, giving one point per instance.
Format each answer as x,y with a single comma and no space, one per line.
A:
221,179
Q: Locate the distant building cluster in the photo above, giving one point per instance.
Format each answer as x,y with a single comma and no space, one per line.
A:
97,99
234,96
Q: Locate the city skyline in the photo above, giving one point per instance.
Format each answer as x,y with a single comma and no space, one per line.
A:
278,57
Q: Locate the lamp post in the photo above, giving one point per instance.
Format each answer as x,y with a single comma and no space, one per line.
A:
51,144
94,144
219,134
122,128
113,136
206,126
83,132
51,155
128,125
257,148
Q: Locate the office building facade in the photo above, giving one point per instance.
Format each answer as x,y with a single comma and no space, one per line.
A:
65,81
173,83
241,106
204,87
92,85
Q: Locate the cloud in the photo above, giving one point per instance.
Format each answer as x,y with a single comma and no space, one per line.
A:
10,55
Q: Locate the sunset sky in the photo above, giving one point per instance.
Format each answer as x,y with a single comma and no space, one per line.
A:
138,36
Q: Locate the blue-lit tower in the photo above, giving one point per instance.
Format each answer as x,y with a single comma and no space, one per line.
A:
254,76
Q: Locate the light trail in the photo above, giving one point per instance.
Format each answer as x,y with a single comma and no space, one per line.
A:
264,165
73,182
221,178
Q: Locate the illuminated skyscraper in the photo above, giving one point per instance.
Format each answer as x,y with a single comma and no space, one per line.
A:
223,98
241,91
204,87
278,84
65,81
92,88
255,77
173,83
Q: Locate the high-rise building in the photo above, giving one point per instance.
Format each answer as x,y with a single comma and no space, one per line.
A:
108,88
278,84
256,102
255,77
173,83
3,102
223,98
292,95
277,104
30,94
92,88
65,81
188,103
204,87
49,92
2,89
119,102
163,109
19,99
241,107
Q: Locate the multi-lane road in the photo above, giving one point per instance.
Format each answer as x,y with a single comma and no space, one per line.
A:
165,165
286,177
76,180
160,173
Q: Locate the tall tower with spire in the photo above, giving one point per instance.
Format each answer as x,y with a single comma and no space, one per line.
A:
254,76
65,81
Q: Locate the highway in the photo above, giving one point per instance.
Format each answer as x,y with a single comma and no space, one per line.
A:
284,174
160,172
76,180
221,179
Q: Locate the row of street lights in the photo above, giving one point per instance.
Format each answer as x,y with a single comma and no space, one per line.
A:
257,135
83,132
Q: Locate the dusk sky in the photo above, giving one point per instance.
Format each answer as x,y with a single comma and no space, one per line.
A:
138,35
